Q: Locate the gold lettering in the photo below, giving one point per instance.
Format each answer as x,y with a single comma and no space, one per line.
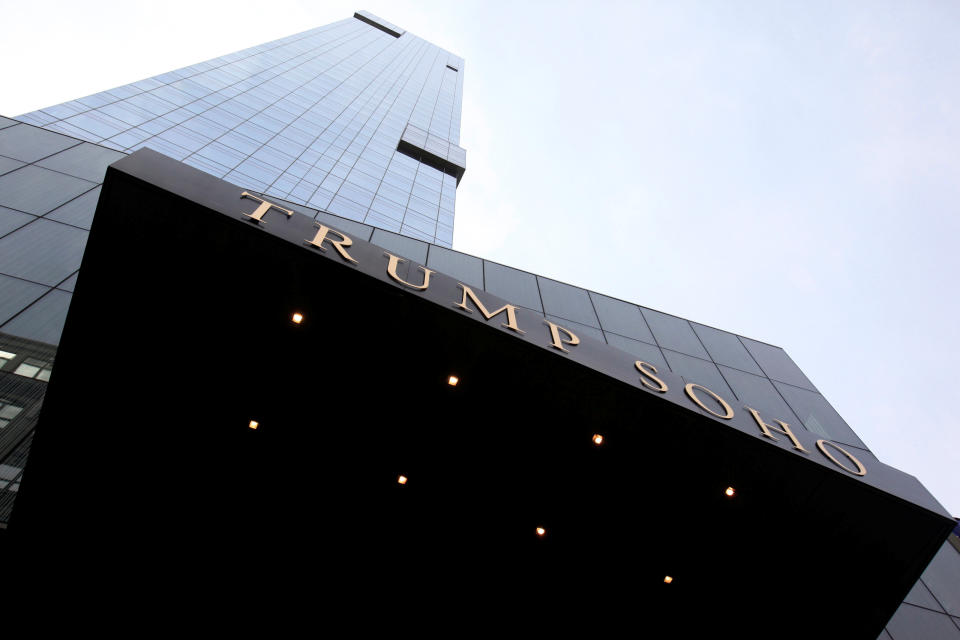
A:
392,271
642,368
729,411
340,246
859,471
257,216
509,308
558,342
765,428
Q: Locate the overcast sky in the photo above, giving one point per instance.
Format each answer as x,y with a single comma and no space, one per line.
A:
784,170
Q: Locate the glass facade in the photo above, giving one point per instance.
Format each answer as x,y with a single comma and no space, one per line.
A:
316,118
355,124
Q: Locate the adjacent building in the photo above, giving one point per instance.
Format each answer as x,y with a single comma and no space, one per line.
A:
289,262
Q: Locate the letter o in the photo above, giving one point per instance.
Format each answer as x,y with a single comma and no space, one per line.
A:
723,403
859,471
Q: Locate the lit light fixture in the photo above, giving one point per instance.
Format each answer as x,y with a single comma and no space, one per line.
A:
254,424
402,480
453,380
297,318
541,531
668,579
597,438
730,491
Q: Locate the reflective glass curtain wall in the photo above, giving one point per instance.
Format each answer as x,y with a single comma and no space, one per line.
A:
315,118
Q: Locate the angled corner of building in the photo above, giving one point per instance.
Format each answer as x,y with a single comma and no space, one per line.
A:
273,241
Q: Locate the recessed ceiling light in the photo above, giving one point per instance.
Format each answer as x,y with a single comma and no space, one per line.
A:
668,579
254,424
453,380
402,480
297,318
541,531
597,438
730,491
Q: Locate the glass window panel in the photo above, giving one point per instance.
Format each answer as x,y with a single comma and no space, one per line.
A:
921,596
223,117
332,183
240,142
10,220
514,286
420,223
65,110
641,350
321,198
38,118
621,317
726,348
9,164
372,168
129,138
444,236
127,113
817,415
27,370
222,154
580,330
405,247
172,95
777,364
413,232
382,221
254,132
99,124
347,208
674,333
69,283
388,208
340,170
42,251
304,191
258,170
123,92
8,412
205,127
274,157
209,166
702,372
361,196
157,125
165,147
915,622
426,193
467,269
36,190
43,320
566,301
350,227
87,161
16,295
184,138
79,211
400,182
423,207
29,144
759,393
245,181
363,181
942,576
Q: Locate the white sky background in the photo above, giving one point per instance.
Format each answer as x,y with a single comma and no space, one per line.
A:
787,171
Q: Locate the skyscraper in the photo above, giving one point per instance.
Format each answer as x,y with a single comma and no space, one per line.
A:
315,118
360,119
